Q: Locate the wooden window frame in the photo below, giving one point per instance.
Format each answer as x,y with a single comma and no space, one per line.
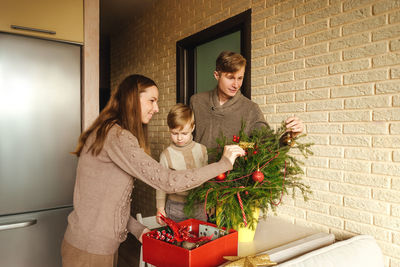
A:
186,57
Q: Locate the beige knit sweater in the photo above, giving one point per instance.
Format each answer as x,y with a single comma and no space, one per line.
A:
192,155
102,196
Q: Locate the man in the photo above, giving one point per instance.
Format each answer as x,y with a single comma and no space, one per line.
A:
223,109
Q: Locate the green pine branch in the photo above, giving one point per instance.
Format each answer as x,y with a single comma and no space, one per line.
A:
278,179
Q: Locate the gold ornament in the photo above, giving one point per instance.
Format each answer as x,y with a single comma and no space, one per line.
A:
249,261
288,139
245,145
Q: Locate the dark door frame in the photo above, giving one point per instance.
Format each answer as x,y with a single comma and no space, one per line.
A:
186,57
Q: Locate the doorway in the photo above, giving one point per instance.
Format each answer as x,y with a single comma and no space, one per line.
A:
196,55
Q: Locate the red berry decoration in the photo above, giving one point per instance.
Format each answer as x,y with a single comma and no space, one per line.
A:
258,176
221,177
255,152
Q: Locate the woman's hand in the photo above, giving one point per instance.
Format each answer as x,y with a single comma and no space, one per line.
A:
158,219
146,230
232,152
295,125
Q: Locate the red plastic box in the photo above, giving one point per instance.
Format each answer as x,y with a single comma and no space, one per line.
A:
163,254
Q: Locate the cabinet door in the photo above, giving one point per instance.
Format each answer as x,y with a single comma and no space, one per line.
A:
54,19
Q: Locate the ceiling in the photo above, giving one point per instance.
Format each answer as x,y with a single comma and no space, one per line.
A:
114,13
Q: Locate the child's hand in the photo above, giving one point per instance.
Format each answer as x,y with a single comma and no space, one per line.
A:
158,219
232,152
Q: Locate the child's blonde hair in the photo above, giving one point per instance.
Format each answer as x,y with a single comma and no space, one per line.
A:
179,116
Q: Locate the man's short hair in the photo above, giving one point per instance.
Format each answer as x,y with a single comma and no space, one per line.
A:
180,115
229,61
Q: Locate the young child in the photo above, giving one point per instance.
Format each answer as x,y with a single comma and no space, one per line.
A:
182,154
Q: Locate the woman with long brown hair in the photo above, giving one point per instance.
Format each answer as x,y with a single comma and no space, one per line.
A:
112,153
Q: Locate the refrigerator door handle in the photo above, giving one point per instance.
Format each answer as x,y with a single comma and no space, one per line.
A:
14,225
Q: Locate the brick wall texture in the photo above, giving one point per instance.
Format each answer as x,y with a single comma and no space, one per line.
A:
333,63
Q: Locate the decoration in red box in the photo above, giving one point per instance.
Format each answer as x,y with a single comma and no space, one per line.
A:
258,180
179,233
210,254
164,235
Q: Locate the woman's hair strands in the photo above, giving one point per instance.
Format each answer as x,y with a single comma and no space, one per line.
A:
123,109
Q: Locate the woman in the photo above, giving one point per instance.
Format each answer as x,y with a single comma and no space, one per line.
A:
112,153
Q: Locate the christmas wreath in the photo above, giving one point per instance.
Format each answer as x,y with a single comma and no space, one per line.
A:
257,180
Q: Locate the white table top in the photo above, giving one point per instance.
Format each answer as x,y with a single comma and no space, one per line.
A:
271,233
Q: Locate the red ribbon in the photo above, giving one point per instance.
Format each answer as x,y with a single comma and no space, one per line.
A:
242,177
241,207
262,167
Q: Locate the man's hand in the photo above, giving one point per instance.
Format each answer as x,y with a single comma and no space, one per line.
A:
295,125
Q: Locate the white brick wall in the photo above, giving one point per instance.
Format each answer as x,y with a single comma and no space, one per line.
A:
336,65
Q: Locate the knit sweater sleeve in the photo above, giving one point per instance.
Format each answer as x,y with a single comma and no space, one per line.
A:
161,196
123,149
135,227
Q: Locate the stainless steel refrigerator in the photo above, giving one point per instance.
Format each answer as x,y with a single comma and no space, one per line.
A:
40,121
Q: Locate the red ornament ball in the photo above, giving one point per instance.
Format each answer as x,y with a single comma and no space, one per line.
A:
258,176
221,177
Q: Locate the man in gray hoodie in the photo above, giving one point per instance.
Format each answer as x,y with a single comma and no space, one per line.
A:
223,109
